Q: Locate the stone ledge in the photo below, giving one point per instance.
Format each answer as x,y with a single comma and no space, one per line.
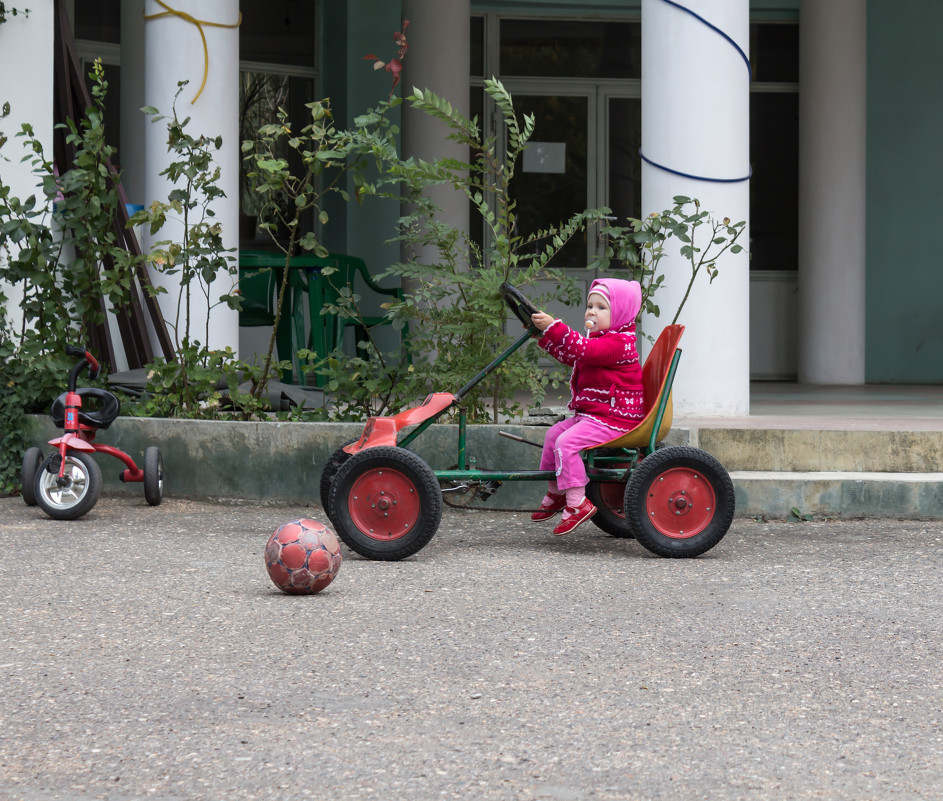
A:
272,463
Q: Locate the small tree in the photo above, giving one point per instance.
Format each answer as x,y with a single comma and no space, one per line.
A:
325,156
59,248
456,315
640,245
188,385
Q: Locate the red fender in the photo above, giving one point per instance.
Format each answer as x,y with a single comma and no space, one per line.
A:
383,430
73,442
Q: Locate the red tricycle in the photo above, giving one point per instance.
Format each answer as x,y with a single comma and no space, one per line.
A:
68,483
676,501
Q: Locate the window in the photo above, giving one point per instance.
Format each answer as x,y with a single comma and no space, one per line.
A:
774,146
277,70
571,49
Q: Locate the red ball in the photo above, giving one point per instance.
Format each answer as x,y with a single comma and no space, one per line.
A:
302,557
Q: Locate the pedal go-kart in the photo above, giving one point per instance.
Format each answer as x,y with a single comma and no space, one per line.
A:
68,483
677,501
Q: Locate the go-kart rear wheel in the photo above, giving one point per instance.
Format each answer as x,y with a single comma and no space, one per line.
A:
331,466
679,501
153,475
609,499
82,486
386,502
32,460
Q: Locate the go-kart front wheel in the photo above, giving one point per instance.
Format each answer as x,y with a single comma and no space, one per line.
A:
331,466
679,501
81,486
386,503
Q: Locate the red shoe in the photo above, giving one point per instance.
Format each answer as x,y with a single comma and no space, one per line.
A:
546,512
573,517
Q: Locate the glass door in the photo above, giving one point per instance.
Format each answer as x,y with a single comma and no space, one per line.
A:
620,165
555,178
584,153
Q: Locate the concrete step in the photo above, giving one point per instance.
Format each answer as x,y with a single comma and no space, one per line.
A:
773,495
825,449
826,468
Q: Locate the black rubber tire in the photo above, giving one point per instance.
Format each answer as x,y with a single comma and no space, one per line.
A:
331,466
409,481
153,476
699,494
71,502
32,460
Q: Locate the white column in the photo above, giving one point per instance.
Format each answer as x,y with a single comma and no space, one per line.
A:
439,36
174,52
26,52
832,124
695,120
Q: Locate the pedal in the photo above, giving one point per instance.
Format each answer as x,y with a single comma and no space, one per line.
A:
487,489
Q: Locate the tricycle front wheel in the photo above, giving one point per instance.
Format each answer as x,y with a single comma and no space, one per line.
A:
80,489
679,502
386,503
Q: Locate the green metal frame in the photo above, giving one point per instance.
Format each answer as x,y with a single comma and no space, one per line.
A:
596,463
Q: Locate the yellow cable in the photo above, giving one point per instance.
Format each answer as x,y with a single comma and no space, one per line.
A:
172,12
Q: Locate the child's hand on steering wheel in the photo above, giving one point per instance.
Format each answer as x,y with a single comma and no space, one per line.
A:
542,320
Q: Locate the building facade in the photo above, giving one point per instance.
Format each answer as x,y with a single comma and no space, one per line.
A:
811,121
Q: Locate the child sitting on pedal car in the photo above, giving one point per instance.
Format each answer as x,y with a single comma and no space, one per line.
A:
606,385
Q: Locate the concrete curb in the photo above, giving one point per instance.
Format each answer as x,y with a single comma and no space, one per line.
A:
273,463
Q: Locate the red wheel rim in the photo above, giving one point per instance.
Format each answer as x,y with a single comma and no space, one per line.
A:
384,504
680,503
613,496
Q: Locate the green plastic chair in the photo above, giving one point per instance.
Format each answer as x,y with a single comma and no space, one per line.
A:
351,273
260,275
260,278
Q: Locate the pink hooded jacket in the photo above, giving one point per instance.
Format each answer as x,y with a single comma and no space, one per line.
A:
607,377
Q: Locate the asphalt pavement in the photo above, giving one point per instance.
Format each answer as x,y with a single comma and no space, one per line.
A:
144,654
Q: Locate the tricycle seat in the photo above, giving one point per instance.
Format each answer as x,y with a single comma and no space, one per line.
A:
657,377
99,409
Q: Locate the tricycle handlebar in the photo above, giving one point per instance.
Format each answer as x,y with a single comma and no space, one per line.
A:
86,360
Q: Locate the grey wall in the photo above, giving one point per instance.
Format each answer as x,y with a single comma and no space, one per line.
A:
905,195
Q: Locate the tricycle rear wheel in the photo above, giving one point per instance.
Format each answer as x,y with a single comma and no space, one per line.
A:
153,475
32,459
679,501
386,503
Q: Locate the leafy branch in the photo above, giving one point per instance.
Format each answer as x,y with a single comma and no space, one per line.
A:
641,245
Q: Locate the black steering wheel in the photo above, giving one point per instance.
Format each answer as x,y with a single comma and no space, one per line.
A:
518,303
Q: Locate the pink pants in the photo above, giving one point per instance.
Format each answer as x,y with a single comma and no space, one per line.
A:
562,447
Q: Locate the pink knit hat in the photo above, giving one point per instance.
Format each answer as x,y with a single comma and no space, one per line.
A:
624,299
